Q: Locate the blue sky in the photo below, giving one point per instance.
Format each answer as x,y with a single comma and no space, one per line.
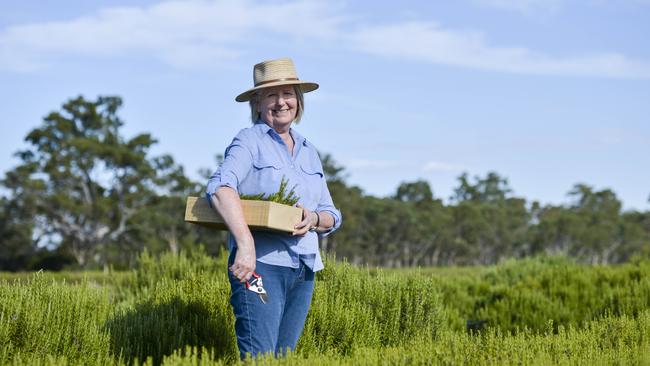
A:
547,93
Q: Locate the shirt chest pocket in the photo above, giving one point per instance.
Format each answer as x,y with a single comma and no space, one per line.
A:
267,175
313,177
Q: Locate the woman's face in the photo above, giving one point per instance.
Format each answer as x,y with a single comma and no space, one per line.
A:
278,105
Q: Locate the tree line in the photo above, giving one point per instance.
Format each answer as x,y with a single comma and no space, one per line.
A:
84,196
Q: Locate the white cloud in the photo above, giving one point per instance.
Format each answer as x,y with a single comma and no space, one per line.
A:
181,33
203,34
523,6
428,42
440,167
535,7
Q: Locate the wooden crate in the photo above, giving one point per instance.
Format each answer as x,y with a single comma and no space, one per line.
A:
259,215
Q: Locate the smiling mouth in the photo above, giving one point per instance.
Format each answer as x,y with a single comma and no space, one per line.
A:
280,110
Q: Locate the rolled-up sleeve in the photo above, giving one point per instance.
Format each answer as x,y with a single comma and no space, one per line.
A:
236,164
326,205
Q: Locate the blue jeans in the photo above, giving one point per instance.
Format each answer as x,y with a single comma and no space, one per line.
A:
275,326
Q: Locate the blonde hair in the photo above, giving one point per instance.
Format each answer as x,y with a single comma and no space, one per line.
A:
254,101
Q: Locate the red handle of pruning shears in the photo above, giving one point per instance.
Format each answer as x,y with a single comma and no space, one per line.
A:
255,284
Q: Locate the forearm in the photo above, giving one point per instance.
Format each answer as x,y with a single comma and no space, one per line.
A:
227,203
325,221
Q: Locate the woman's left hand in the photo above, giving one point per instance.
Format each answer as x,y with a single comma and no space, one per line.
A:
308,221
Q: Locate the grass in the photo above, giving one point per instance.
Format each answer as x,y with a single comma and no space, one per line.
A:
174,310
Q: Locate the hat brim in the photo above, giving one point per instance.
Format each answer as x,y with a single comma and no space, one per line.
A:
305,86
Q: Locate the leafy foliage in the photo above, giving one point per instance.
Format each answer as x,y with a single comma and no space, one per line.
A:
85,194
174,310
85,188
281,196
484,223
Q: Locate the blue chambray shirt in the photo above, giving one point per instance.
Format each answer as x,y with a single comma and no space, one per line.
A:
254,163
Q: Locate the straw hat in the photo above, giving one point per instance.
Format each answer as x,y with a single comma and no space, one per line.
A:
274,73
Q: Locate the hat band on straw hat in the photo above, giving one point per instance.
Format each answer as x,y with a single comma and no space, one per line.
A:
275,81
275,72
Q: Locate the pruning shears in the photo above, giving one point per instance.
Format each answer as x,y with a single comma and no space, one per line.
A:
255,284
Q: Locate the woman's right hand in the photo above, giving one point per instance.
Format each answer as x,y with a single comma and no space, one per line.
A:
228,205
244,264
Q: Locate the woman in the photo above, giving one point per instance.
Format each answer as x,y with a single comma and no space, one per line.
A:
256,161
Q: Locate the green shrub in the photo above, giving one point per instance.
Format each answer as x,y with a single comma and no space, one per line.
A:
43,318
151,269
529,293
608,341
174,310
193,311
352,308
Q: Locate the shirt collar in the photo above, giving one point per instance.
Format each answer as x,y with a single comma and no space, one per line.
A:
267,129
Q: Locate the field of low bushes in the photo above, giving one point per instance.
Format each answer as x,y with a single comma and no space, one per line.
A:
174,310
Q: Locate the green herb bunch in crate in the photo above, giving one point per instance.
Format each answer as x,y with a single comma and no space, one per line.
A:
281,196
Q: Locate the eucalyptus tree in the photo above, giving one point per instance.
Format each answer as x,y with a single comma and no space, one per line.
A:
491,224
83,181
16,244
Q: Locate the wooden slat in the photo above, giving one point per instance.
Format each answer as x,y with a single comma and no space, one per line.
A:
259,215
